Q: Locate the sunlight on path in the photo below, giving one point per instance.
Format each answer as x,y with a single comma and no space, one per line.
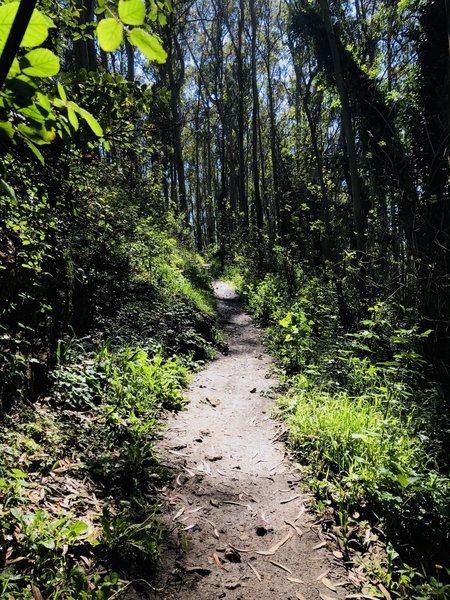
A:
235,507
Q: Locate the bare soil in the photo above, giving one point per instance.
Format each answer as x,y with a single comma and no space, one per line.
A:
236,523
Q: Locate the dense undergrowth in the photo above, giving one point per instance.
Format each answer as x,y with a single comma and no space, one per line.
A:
78,471
368,425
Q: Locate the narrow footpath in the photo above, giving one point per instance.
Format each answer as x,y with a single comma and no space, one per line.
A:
236,523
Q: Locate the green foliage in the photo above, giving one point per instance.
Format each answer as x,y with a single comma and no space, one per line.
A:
99,434
362,417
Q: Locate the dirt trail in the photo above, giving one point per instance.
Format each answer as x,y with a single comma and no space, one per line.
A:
235,495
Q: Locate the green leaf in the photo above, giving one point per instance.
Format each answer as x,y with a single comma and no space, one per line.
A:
132,12
15,68
110,34
37,135
18,474
73,119
34,150
6,130
37,30
62,92
7,15
40,63
148,44
78,528
9,191
90,120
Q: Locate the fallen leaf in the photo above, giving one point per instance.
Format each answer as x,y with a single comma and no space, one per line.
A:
294,580
178,453
235,503
36,592
239,549
15,560
322,575
217,561
384,591
189,527
216,533
299,531
338,554
327,583
302,510
179,513
319,545
280,566
290,499
190,512
258,576
300,596
276,547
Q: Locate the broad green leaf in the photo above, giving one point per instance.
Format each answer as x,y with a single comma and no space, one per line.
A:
43,102
132,12
110,34
148,44
18,474
90,120
34,150
9,191
73,119
62,92
37,30
15,68
38,136
7,15
40,63
32,112
6,130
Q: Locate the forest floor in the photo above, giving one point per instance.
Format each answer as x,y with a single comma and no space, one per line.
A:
236,522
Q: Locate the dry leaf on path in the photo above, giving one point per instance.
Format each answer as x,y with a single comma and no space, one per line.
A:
299,531
276,547
280,566
235,503
179,513
300,596
189,527
290,499
194,510
295,580
302,510
322,575
218,562
327,583
258,576
319,545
